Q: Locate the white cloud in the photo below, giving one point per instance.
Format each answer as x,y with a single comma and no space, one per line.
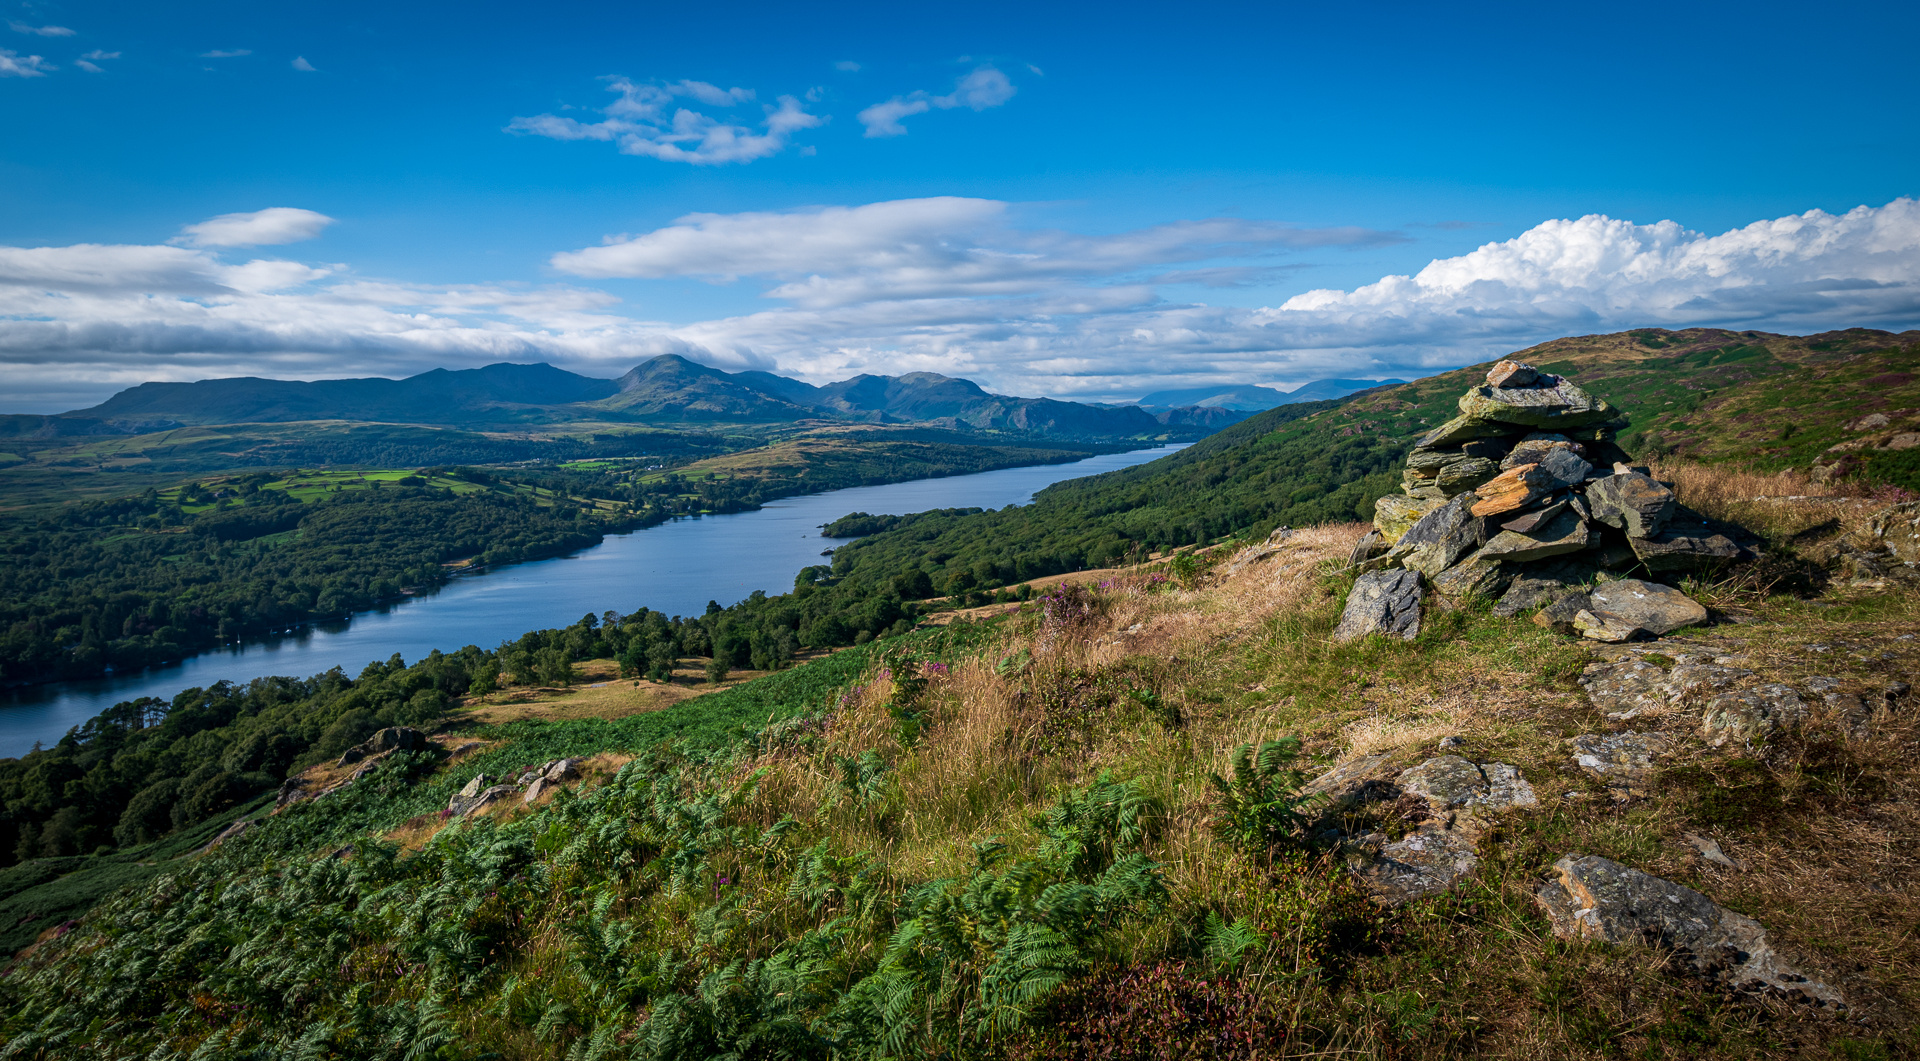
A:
13,64
86,63
274,225
942,247
40,31
646,121
847,66
947,285
219,53
300,63
983,88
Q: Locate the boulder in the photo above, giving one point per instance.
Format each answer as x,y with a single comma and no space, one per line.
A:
1587,897
1680,546
1565,466
1646,606
563,770
1465,474
1532,448
540,787
1473,577
1514,490
1382,602
1525,594
1631,502
1449,782
1560,612
1425,862
1512,374
485,798
1528,522
1353,780
1462,429
1549,402
1749,717
393,738
1440,538
1624,761
1565,533
1611,629
1395,513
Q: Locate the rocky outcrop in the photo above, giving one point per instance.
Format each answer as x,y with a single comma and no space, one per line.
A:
1626,762
1525,495
1587,897
1382,602
391,739
1458,800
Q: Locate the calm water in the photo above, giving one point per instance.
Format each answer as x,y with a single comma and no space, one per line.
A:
675,568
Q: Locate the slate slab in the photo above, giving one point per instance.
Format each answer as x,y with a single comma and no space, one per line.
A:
1382,602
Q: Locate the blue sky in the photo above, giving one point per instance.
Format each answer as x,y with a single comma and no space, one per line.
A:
1050,199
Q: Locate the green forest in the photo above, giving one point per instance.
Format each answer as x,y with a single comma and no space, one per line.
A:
131,582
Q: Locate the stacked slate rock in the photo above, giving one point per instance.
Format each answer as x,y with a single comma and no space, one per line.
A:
1521,497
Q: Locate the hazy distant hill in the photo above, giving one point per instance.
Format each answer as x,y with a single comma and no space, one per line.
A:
1248,398
664,389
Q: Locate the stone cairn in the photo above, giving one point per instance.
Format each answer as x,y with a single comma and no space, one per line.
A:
1525,498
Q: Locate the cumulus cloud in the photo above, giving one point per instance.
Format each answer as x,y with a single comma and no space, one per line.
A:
941,247
300,63
40,31
645,120
983,88
947,285
13,64
272,226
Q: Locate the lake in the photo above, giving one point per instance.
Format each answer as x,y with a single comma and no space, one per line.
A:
675,568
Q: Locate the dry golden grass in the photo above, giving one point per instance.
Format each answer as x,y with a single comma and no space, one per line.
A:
601,693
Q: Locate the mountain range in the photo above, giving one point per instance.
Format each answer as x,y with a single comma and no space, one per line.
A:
667,388
1248,398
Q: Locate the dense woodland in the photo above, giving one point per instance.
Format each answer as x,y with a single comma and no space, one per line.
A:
128,583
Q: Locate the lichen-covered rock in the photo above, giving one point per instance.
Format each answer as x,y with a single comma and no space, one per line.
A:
1647,606
1465,474
1625,761
1748,717
1450,782
1609,629
1534,447
1395,513
1473,577
1460,430
1425,862
1634,503
1440,538
1382,602
1592,898
1528,522
1626,688
1370,545
1548,403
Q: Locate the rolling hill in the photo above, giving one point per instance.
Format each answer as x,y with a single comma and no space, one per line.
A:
668,389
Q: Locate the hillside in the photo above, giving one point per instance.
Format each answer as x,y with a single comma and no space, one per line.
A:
1150,818
1759,400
